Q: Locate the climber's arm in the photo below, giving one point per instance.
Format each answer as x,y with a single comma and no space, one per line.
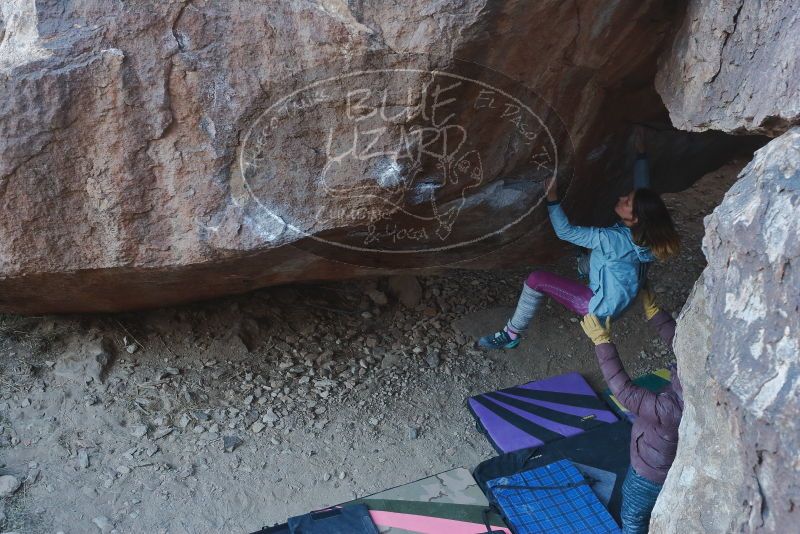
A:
640,401
641,172
583,236
660,320
641,167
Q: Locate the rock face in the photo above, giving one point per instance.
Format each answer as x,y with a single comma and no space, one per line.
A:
737,344
734,67
141,166
8,485
86,360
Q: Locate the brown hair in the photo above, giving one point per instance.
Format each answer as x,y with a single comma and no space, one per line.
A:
654,228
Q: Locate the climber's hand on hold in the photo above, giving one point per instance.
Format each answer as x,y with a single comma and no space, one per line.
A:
596,331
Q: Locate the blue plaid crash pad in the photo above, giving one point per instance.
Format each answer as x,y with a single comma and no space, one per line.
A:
552,499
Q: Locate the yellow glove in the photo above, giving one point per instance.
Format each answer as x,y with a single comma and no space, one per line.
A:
649,303
596,331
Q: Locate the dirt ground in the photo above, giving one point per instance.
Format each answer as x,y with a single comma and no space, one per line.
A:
230,415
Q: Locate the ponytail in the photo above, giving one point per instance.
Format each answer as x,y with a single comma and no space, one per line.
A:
654,227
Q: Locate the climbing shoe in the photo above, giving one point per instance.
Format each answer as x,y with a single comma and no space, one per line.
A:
498,340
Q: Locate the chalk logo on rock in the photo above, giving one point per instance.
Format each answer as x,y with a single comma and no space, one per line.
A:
400,162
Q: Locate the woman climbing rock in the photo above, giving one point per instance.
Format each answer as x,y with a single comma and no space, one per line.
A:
617,261
654,436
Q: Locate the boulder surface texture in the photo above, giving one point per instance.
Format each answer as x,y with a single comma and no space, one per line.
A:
737,343
128,177
733,66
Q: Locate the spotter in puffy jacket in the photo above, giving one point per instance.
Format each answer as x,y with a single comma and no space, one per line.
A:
654,436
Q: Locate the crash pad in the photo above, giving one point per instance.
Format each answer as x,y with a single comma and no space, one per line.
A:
601,455
550,499
449,502
538,412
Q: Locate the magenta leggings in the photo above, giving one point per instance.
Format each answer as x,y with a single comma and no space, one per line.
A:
571,294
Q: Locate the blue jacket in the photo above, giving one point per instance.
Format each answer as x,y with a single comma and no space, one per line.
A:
615,263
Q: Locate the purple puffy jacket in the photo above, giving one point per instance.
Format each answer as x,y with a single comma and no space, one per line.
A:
654,437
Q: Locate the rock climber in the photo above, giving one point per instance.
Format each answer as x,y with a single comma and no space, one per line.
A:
617,261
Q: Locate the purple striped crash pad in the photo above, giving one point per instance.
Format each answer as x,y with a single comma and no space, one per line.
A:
538,412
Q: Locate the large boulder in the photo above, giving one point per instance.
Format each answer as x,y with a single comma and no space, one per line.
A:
734,67
140,166
737,344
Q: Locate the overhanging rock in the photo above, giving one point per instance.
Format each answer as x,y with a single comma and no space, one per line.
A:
128,176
